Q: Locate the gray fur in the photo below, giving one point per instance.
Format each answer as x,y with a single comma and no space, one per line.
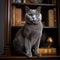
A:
28,38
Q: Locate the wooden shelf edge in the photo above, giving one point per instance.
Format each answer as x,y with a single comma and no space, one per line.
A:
29,4
23,57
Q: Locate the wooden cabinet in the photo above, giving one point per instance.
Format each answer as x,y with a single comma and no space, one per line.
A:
50,19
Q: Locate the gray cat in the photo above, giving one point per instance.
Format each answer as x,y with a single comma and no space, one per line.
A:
28,38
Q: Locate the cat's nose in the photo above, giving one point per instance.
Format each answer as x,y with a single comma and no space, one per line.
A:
34,17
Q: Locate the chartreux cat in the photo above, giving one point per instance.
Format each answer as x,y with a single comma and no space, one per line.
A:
27,39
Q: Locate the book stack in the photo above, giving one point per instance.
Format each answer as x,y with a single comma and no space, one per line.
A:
47,51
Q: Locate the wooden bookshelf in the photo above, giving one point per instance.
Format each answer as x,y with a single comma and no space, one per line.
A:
13,29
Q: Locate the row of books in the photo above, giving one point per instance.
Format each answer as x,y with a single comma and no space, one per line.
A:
47,51
35,1
18,17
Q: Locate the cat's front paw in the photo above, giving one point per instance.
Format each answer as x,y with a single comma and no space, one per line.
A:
29,55
38,55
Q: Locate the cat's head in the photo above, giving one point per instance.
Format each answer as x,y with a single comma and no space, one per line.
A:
33,15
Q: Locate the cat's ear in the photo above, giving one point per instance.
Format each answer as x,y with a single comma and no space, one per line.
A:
39,9
27,9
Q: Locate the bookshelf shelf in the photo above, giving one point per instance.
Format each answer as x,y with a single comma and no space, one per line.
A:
30,4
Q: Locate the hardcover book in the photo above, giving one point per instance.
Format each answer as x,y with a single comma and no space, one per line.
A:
51,18
17,16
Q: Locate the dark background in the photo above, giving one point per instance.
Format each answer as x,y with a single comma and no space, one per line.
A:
2,6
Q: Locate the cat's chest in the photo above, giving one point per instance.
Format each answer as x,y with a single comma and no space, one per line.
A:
31,32
33,27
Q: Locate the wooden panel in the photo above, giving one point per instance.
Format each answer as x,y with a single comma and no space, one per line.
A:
7,51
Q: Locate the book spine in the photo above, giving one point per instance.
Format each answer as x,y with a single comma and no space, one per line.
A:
51,18
18,16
